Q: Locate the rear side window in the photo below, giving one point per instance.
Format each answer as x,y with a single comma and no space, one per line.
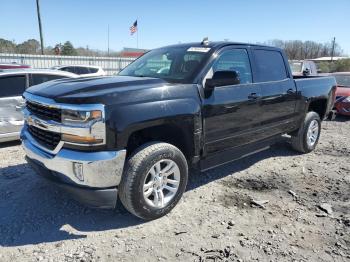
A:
12,86
81,70
37,79
68,69
270,66
93,70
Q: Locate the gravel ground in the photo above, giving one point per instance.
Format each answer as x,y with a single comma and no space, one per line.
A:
215,221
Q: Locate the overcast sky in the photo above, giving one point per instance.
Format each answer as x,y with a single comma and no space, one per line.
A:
85,22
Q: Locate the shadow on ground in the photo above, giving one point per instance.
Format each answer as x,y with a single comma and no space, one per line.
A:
34,211
9,144
341,118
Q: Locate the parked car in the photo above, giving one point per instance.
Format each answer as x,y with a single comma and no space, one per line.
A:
342,103
12,85
303,67
13,66
82,70
136,135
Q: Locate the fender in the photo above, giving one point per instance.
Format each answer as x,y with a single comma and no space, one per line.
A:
315,89
183,112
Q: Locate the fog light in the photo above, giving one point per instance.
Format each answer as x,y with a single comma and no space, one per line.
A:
78,170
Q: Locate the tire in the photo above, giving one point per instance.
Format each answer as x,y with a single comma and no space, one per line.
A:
300,141
141,171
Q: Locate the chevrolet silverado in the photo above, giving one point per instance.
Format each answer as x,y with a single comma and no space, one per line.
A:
195,105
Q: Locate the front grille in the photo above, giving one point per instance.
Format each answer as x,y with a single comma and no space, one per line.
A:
46,138
44,112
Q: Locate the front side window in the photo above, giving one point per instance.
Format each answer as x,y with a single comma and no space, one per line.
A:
174,64
235,60
12,86
270,66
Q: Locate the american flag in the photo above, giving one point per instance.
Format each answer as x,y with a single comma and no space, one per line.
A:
133,28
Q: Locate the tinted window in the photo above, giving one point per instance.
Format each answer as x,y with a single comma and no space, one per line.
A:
270,66
81,70
41,78
70,69
174,64
93,70
12,86
235,60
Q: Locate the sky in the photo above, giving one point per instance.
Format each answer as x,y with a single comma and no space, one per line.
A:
85,22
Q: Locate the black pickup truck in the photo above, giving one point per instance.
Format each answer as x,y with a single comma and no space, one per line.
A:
184,106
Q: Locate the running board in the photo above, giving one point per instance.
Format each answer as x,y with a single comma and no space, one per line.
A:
236,153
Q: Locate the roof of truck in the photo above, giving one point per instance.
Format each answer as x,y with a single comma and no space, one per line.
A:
219,44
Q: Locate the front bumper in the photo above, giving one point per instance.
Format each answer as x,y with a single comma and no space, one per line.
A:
95,180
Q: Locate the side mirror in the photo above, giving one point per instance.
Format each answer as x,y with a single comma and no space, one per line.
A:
306,72
223,78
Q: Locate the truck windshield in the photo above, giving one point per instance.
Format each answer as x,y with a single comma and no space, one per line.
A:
343,80
173,64
296,66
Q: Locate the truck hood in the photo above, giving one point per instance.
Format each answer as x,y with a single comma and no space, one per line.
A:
93,89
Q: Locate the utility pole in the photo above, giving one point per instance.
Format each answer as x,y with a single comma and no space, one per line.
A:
333,46
40,28
108,41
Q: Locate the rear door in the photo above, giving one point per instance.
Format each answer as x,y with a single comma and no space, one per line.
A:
11,103
278,89
231,113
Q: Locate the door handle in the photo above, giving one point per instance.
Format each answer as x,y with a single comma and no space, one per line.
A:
253,96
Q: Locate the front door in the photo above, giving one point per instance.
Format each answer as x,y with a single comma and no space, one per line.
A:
11,103
231,113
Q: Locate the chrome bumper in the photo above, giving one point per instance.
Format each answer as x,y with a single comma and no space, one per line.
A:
96,169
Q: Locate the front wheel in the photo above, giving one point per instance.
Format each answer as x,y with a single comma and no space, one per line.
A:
308,134
154,180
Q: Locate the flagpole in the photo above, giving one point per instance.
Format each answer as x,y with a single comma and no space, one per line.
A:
137,34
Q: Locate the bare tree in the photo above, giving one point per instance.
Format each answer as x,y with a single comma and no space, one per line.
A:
298,50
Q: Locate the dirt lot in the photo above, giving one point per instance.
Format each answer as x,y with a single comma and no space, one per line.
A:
215,221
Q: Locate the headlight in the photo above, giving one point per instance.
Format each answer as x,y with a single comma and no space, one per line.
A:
89,126
74,117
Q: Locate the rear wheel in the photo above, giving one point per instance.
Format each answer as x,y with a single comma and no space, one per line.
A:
154,180
308,134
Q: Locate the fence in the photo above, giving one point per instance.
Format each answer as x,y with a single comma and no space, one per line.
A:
111,65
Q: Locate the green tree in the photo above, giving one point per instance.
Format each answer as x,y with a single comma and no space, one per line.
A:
68,49
343,65
30,46
7,46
